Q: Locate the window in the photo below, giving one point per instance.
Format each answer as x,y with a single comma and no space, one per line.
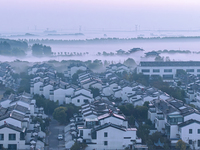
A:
190,142
167,76
81,132
78,100
145,70
167,70
22,136
12,136
198,143
190,131
105,134
198,131
156,70
198,70
1,137
189,70
86,100
105,142
12,146
1,146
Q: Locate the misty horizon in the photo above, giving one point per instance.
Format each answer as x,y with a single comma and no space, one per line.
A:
66,15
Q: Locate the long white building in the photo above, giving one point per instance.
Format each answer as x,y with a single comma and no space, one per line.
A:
167,70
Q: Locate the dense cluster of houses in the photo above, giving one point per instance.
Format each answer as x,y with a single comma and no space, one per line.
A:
177,120
18,130
100,123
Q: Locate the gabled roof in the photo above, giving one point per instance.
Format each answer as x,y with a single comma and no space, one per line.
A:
81,94
19,108
6,125
107,115
106,125
188,122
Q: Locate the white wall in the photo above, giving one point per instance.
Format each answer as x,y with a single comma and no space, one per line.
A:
81,98
37,87
185,136
115,139
59,94
161,73
46,91
5,142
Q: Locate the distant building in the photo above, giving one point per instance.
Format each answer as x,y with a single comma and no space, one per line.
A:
168,70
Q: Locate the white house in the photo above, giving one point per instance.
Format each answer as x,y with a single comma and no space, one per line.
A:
81,99
110,136
189,132
12,137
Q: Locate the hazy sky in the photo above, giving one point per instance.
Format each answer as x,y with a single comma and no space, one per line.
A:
25,15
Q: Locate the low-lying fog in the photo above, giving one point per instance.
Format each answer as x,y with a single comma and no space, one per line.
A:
93,49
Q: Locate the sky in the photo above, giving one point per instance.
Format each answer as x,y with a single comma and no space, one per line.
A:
61,15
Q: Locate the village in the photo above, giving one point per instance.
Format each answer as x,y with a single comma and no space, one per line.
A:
106,110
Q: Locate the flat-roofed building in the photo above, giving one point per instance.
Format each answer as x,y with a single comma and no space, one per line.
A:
167,70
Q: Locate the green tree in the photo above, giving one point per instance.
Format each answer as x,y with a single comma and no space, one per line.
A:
95,91
37,49
130,62
146,104
180,145
60,114
78,146
47,50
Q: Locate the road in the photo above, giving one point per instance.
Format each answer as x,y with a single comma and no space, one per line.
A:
54,129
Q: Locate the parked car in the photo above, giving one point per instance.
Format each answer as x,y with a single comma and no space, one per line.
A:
60,137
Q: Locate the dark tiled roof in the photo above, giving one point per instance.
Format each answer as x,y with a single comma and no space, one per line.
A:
188,122
81,94
106,125
6,125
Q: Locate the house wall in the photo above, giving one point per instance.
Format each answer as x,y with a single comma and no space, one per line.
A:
173,131
161,73
86,133
160,125
46,91
20,143
125,92
59,94
115,139
81,99
114,120
185,136
37,87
